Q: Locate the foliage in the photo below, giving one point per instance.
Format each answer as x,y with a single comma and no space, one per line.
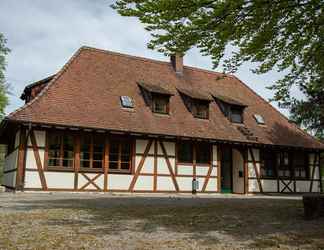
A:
285,35
3,86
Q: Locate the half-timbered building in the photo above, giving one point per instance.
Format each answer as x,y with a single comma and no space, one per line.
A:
112,122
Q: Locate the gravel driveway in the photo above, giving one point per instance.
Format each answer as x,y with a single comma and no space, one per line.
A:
115,221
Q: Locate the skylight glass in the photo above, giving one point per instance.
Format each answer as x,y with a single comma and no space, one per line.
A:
259,119
127,102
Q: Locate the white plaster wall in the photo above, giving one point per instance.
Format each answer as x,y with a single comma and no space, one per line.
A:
162,167
141,145
30,158
302,186
148,166
316,187
201,181
59,180
144,183
214,172
32,180
9,179
256,154
212,185
269,185
165,184
11,161
202,170
119,182
185,170
238,165
40,136
253,186
169,147
82,181
282,186
185,183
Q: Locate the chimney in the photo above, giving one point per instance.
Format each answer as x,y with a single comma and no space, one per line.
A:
177,63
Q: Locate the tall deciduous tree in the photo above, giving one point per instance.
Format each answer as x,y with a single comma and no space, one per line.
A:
285,35
3,86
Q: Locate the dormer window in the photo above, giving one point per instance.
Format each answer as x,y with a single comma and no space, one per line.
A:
200,109
232,109
156,97
196,102
160,103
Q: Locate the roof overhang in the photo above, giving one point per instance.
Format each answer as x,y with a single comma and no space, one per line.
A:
195,94
153,88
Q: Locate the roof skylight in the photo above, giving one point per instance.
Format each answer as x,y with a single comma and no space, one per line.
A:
259,119
127,102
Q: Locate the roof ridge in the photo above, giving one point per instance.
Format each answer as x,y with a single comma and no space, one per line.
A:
52,81
150,60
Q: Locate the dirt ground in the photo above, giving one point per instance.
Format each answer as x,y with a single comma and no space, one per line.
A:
108,221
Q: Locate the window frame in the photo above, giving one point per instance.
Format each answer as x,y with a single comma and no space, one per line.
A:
231,113
119,162
194,146
281,166
272,154
61,158
157,96
91,154
200,103
305,166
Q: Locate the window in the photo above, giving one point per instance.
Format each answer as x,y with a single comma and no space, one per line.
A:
300,166
236,114
203,153
268,163
160,103
120,152
283,164
259,119
92,151
200,109
127,102
60,150
187,151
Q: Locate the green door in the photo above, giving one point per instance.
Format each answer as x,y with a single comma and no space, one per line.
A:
226,170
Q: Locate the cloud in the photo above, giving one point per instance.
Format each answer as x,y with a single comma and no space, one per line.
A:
43,35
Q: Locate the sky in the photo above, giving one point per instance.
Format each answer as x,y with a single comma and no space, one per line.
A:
43,35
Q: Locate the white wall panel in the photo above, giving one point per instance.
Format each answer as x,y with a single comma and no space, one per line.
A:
119,182
302,186
59,180
185,170
32,180
40,136
9,179
185,183
212,185
17,139
269,185
215,156
165,184
11,161
144,183
253,186
82,181
214,171
169,147
162,167
255,154
141,146
148,166
202,170
316,186
30,158
282,186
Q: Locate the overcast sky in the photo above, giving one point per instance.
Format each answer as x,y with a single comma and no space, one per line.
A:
43,35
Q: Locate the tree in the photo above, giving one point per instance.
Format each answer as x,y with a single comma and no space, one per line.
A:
282,35
3,86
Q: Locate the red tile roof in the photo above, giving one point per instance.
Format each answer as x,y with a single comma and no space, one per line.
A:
86,93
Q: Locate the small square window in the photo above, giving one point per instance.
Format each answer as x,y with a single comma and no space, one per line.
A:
236,115
200,109
127,102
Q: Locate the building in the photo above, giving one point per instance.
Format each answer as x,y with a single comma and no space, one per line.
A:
113,122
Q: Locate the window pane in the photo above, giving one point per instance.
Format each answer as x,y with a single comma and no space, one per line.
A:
97,164
160,104
236,115
185,152
283,164
268,163
203,153
200,109
299,164
54,146
68,151
125,166
85,164
113,165
52,162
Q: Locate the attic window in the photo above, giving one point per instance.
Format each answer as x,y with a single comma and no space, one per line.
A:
200,109
126,102
236,114
160,103
259,119
233,110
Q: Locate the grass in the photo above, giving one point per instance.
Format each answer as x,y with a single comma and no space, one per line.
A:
157,223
